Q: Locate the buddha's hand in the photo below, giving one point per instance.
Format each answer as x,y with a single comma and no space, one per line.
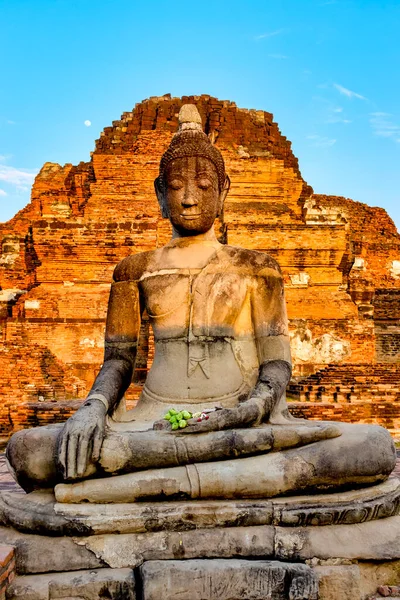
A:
273,378
249,413
80,440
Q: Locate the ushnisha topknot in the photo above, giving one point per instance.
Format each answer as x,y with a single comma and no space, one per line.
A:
190,140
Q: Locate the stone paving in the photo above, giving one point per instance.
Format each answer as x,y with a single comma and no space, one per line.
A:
7,483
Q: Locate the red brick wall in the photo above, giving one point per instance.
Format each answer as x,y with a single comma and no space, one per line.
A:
7,568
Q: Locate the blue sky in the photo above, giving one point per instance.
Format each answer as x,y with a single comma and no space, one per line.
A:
329,71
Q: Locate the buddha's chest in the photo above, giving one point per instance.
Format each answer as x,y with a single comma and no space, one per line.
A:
182,302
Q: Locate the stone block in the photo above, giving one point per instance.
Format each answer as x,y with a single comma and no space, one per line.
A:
131,550
374,540
40,554
98,584
376,574
227,580
341,582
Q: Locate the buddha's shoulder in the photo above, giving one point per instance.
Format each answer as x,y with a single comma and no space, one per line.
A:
132,267
252,261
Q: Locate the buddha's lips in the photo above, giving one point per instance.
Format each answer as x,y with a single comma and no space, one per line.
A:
193,216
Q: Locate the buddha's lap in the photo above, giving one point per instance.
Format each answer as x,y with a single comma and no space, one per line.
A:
360,451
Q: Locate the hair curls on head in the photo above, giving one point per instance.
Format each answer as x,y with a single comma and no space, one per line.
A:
190,140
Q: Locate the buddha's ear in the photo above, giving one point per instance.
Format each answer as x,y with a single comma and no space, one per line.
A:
224,193
159,188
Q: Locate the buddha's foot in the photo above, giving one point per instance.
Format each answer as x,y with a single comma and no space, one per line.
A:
362,455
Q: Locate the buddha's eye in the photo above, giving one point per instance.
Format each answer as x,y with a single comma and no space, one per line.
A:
204,183
175,184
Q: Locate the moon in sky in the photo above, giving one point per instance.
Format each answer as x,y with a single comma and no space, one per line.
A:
87,123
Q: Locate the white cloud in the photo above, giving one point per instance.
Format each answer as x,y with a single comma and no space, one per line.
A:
349,93
334,115
9,122
330,112
383,126
320,141
87,123
18,177
2,192
21,179
279,56
335,119
268,34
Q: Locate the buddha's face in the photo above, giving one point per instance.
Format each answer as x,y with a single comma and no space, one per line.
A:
191,198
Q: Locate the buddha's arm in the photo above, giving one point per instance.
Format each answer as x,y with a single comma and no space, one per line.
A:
81,438
271,332
121,338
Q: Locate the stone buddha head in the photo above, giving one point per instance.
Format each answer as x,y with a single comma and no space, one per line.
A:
192,185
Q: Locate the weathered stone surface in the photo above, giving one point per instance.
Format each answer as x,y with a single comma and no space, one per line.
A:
373,575
131,550
205,579
41,554
227,580
96,584
332,552
374,540
336,582
27,513
171,516
132,451
362,455
31,451
39,513
356,506
34,513
349,579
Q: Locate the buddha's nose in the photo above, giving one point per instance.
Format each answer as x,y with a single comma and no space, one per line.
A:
189,198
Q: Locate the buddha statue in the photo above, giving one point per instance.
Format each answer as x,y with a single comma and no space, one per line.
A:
221,348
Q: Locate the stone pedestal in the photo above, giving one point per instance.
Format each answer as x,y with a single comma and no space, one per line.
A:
334,546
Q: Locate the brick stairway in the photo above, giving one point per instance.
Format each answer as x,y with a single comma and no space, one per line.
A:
348,383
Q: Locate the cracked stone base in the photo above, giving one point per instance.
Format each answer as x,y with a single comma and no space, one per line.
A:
113,584
207,550
300,563
218,579
38,512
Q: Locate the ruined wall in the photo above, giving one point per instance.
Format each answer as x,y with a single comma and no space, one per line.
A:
387,325
57,255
